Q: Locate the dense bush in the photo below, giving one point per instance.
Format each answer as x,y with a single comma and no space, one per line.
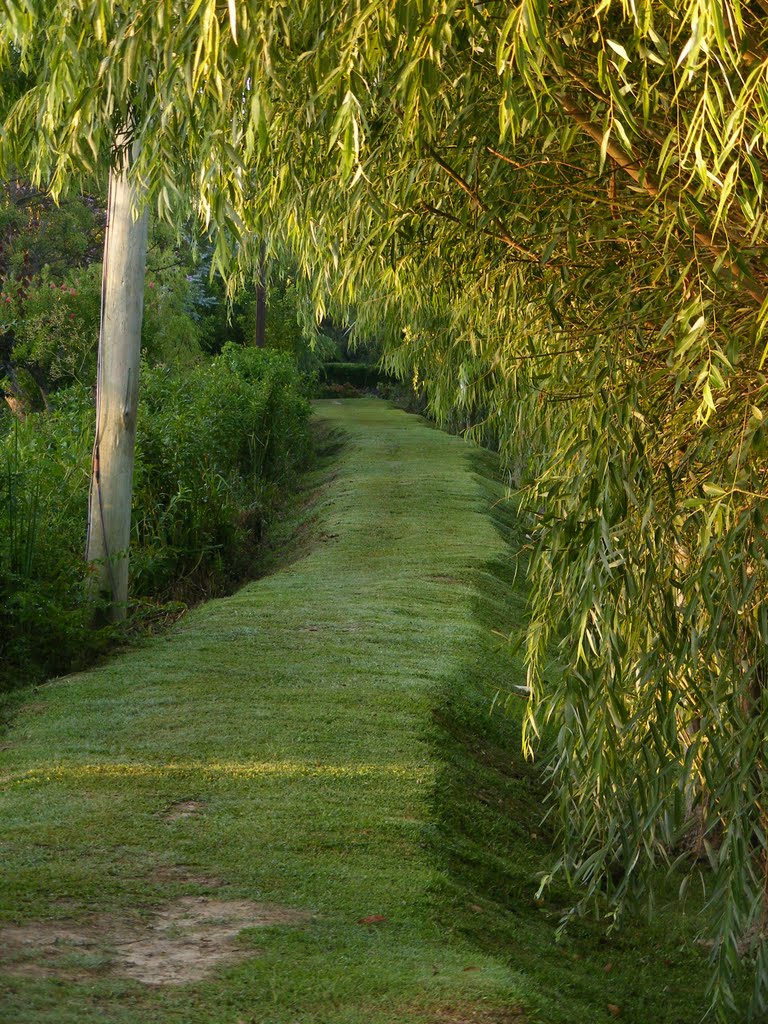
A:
38,234
216,447
44,616
54,328
50,296
51,327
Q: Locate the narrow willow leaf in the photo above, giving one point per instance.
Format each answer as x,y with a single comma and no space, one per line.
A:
618,48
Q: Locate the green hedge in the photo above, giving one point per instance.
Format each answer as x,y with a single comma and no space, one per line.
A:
359,375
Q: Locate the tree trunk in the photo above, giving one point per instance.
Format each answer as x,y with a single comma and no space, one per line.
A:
16,406
260,335
122,302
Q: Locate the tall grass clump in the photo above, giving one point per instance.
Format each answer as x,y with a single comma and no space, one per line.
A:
217,448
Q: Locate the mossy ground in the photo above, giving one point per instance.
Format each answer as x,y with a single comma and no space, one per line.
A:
330,722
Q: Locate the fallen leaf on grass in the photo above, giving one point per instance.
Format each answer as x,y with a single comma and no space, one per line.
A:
614,1010
373,919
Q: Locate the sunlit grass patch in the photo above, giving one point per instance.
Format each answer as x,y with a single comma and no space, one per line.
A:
220,770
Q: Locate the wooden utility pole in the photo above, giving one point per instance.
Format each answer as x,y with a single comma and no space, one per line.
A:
122,306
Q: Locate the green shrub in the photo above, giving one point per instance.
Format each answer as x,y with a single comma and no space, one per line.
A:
56,325
171,331
44,614
217,445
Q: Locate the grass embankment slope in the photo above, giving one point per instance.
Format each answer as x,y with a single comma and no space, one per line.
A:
317,743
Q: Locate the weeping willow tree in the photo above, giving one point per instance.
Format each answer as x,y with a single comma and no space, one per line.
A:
559,209
554,213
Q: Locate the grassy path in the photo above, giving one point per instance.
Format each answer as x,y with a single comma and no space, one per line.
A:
275,761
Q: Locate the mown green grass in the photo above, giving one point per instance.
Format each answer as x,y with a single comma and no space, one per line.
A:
332,719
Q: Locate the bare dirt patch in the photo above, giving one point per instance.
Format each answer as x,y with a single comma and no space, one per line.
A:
473,1014
183,809
181,943
178,874
193,936
33,707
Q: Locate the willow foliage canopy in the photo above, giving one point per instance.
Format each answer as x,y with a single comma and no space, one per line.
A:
555,215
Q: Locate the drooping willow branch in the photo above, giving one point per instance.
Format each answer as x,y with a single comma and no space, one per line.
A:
632,167
480,204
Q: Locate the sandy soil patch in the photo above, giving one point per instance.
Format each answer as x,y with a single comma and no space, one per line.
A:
179,874
183,809
468,1013
181,943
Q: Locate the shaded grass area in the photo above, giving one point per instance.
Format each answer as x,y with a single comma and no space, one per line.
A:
329,724
496,842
